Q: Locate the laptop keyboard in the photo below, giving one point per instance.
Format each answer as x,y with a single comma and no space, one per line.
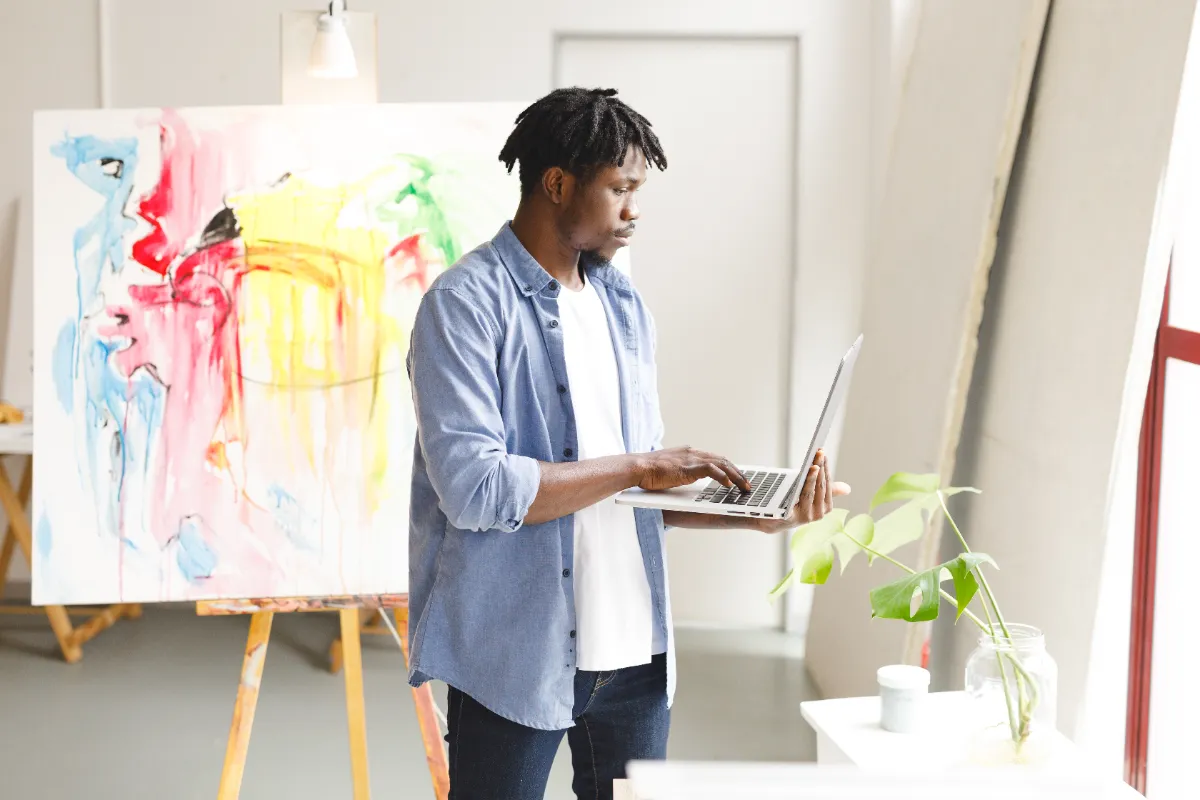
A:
762,488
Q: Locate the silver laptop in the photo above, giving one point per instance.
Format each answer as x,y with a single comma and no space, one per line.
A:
773,489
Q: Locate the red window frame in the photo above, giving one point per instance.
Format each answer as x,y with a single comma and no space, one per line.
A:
1181,345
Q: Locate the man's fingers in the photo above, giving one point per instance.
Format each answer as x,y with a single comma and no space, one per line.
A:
819,500
717,474
840,489
828,483
735,475
809,493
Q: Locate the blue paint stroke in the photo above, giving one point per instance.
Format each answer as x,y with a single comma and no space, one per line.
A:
108,167
103,420
287,511
195,558
44,540
64,365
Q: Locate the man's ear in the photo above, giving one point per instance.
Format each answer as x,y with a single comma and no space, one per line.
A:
556,184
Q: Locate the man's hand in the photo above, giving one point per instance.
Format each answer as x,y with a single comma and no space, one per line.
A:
816,499
680,466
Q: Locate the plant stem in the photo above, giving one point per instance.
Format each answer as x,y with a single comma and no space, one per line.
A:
1013,725
983,581
1025,705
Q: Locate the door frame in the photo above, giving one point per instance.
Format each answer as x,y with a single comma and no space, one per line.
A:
1181,345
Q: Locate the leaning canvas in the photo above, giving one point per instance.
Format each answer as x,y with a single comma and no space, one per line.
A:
223,299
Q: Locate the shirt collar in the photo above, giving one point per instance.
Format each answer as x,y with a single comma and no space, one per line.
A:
531,278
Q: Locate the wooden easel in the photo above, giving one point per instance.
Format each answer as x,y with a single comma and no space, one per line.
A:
431,735
349,655
18,441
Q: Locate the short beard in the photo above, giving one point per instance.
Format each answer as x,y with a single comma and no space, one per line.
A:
592,258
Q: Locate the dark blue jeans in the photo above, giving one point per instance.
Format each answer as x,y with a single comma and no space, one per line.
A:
619,717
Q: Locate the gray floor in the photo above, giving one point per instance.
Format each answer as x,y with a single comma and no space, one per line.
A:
146,713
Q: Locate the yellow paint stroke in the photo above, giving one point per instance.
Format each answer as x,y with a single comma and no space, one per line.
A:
313,320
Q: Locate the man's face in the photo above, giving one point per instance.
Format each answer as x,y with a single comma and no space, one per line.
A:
599,215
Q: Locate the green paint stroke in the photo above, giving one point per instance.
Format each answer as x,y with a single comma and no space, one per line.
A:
419,207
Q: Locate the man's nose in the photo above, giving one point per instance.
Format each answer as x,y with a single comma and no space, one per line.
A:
630,211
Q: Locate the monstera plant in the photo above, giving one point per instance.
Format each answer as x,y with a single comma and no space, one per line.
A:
917,596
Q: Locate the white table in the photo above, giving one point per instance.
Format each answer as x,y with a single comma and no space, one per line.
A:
681,780
848,732
17,438
858,759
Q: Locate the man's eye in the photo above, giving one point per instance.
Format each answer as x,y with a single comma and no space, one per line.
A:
620,191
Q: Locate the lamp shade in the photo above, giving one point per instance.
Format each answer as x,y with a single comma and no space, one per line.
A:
332,54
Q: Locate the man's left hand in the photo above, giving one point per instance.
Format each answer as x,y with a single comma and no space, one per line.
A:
816,499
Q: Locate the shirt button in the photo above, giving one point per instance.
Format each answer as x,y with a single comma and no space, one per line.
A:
562,389
572,634
568,453
553,323
566,573
528,288
554,285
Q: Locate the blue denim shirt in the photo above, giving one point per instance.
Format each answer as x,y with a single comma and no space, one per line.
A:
492,601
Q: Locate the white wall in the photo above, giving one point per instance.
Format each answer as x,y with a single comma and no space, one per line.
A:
187,53
893,29
1064,362
51,62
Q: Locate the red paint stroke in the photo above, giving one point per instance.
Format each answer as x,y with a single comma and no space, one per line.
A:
189,191
184,330
409,263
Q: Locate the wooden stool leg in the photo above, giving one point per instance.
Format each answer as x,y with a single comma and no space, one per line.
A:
6,552
356,712
14,506
244,706
10,536
431,732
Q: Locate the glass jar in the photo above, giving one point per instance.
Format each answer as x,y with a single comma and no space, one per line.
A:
1012,682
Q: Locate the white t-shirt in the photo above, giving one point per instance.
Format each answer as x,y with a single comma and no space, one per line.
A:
614,619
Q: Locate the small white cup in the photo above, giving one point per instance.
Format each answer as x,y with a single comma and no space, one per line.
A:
902,691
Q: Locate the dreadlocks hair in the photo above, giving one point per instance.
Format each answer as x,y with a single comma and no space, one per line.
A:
578,130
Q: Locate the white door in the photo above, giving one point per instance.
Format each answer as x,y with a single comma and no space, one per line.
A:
714,259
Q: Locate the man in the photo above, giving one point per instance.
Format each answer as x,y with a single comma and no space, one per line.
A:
537,599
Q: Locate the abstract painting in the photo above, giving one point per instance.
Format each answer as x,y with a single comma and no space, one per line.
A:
223,300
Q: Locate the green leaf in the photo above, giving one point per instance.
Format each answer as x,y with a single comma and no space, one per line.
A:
907,523
862,529
903,525
962,573
783,584
894,600
817,567
914,486
906,486
811,549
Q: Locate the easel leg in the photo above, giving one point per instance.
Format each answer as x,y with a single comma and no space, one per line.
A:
356,712
431,733
243,709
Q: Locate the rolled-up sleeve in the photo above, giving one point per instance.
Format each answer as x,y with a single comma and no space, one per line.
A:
456,393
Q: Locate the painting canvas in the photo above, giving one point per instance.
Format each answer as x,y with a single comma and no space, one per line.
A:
223,301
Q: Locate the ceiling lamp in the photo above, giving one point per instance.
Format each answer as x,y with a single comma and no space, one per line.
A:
332,54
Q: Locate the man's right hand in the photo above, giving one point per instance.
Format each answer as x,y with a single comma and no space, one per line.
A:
681,466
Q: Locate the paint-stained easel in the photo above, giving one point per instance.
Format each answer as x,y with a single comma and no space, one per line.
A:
348,649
